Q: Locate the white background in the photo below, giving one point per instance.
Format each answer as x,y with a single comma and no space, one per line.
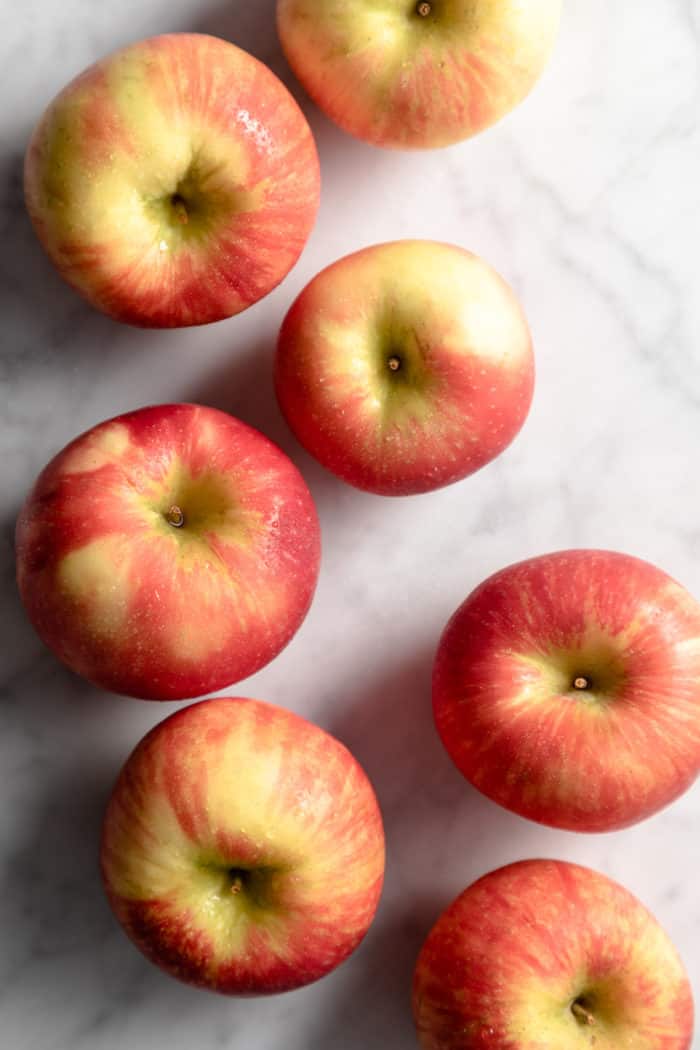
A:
586,199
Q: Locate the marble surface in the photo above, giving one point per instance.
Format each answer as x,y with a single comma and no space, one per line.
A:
586,199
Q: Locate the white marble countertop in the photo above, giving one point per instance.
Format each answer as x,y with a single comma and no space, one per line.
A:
586,199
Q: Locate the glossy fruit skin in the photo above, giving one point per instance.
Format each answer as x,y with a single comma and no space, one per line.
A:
504,964
465,375
508,710
146,608
243,848
408,75
173,183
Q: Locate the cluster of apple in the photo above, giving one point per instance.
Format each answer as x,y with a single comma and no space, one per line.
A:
173,551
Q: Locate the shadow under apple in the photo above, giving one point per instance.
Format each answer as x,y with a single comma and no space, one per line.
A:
371,1007
49,327
441,835
252,26
36,687
61,943
345,161
242,385
25,659
387,723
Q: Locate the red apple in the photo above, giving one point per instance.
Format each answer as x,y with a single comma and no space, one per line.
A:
168,552
417,73
173,183
242,848
405,367
544,955
567,688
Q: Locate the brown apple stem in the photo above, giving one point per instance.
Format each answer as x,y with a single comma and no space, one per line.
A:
175,517
180,209
236,885
424,8
582,1015
581,682
394,364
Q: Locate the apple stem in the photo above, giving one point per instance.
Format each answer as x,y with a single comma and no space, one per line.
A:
237,885
394,364
581,682
180,209
424,8
175,517
582,1015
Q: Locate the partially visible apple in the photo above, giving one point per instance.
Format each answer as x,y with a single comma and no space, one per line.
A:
567,688
173,183
417,73
544,955
243,848
168,552
405,366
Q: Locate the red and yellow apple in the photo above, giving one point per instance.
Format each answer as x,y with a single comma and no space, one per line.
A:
243,848
544,955
405,367
173,183
168,552
567,688
417,73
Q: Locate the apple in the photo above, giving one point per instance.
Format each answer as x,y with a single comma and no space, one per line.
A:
567,688
405,367
168,552
173,183
242,848
414,74
544,955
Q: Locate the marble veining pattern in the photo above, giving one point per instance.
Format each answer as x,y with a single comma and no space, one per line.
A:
586,199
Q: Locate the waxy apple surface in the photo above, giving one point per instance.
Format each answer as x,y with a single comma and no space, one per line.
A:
243,848
544,955
168,552
567,688
173,183
417,73
405,367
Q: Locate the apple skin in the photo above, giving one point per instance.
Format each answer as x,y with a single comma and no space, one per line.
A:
464,383
504,964
243,848
596,756
163,611
173,183
396,78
